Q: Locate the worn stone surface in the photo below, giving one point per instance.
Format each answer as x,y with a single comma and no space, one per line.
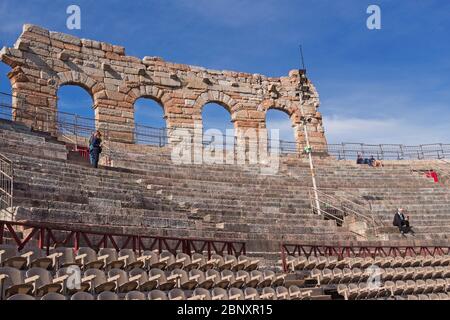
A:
43,61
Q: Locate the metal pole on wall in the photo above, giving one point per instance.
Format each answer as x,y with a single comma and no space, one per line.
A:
311,163
308,148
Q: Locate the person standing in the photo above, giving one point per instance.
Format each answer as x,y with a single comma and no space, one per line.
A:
91,138
95,148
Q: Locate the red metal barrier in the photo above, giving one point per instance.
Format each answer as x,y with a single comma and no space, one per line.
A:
48,236
84,152
359,251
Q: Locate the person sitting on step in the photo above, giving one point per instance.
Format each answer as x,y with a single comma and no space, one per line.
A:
375,163
402,222
359,159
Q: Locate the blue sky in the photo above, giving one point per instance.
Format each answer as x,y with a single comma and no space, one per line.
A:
378,86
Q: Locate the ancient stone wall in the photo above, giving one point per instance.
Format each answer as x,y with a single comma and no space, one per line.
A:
42,61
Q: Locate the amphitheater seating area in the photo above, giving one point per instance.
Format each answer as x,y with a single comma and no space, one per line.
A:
145,193
108,274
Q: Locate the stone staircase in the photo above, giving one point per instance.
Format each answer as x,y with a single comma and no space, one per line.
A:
146,193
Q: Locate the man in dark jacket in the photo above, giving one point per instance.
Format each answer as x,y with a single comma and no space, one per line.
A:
95,148
359,159
91,155
402,222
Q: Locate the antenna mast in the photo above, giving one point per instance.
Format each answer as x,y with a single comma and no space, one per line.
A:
305,120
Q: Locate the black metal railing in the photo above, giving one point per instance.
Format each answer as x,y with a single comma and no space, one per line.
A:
68,123
6,183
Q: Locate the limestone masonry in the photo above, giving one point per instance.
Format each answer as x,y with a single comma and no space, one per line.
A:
43,60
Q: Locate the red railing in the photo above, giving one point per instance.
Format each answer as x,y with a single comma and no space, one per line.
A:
84,152
48,236
359,251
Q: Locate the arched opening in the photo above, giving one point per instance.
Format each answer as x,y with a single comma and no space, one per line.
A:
149,122
5,93
75,112
279,126
216,121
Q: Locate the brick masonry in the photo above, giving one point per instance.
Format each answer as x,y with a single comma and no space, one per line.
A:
42,61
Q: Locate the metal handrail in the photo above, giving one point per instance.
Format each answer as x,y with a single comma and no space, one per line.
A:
328,201
159,136
328,214
444,169
353,203
6,183
46,234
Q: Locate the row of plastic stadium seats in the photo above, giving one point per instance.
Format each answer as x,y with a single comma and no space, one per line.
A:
366,290
431,296
279,293
38,281
331,262
346,275
108,258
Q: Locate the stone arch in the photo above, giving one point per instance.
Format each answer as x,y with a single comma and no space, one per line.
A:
151,92
285,106
75,78
215,97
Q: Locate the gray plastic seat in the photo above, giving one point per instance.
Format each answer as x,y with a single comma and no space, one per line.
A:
38,258
89,259
268,293
201,279
111,258
311,263
123,284
131,261
44,282
188,263
10,257
153,260
164,283
236,280
135,295
20,297
251,294
107,295
250,264
82,296
222,263
185,281
282,293
145,282
53,296
331,262
255,279
219,294
100,282
75,284
228,275
202,293
171,261
176,294
65,257
235,294
204,262
268,278
217,278
157,295
13,282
